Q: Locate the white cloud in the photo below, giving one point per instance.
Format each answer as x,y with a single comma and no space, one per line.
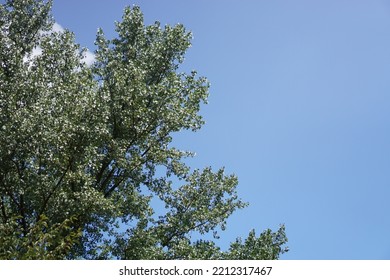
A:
89,58
36,51
57,28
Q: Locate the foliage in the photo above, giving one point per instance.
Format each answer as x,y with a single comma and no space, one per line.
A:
86,150
41,241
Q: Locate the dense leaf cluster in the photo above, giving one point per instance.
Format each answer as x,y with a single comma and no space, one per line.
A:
85,150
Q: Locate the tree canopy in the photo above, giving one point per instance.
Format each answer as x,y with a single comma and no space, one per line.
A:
86,151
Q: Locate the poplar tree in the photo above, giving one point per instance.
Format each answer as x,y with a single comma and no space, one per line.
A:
86,151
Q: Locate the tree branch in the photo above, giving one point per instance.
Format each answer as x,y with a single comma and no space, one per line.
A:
107,179
46,200
105,163
3,211
116,185
23,214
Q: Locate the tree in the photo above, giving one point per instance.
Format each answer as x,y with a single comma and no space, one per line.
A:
86,151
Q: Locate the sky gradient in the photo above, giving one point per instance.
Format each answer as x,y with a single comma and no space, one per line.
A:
298,110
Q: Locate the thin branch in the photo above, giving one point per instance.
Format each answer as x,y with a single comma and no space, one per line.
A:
105,163
3,211
107,179
46,200
8,192
116,185
23,214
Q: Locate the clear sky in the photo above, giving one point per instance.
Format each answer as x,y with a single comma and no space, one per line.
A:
298,110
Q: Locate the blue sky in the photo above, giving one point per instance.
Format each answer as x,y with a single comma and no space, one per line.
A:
298,110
